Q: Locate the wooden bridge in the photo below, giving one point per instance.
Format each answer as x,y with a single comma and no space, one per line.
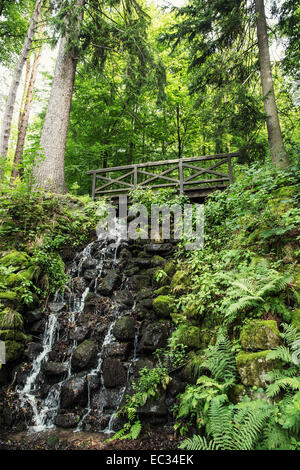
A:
181,174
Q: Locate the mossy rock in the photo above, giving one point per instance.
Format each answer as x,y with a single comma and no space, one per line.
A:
164,305
157,260
14,335
14,350
15,259
8,295
180,282
170,268
11,320
178,318
253,368
296,319
190,336
15,279
124,328
260,335
164,290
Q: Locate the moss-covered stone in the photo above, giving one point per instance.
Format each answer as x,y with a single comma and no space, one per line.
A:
10,320
170,268
190,336
14,350
157,260
16,259
14,335
124,329
296,319
180,282
164,290
164,305
253,368
260,335
8,295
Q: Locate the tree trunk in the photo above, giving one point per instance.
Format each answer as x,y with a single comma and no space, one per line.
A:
10,103
24,117
49,172
178,125
278,152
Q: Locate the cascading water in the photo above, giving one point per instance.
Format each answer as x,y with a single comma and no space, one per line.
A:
39,394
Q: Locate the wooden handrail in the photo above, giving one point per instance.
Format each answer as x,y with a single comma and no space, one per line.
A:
179,164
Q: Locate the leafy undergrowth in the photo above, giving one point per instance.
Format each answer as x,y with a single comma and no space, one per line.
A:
39,234
237,313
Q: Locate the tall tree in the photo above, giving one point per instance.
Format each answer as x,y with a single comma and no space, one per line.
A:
11,98
225,28
49,171
277,149
25,110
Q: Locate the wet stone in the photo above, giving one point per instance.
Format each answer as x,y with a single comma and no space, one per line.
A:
69,420
110,283
90,274
124,328
120,350
32,351
84,355
114,373
56,369
74,392
159,248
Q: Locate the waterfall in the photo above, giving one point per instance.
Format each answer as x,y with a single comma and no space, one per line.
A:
65,315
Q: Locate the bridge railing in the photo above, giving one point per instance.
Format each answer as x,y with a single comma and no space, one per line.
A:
181,173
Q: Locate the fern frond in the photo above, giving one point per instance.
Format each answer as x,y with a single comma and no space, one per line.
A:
198,443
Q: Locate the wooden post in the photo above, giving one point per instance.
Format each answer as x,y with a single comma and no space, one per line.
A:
94,186
180,175
230,169
135,179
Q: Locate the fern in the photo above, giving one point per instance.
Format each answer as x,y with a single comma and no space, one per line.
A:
232,427
198,443
220,359
258,290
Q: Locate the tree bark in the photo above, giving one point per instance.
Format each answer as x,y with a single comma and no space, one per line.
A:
24,117
277,149
11,98
49,171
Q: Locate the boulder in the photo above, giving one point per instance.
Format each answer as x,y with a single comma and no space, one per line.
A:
189,336
260,335
124,328
124,298
84,355
154,336
110,283
90,274
138,282
33,316
69,420
180,282
114,373
154,408
13,350
158,248
120,350
54,369
73,392
163,306
32,351
253,367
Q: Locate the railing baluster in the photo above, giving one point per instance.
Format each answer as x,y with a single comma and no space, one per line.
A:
94,185
180,176
230,170
135,177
